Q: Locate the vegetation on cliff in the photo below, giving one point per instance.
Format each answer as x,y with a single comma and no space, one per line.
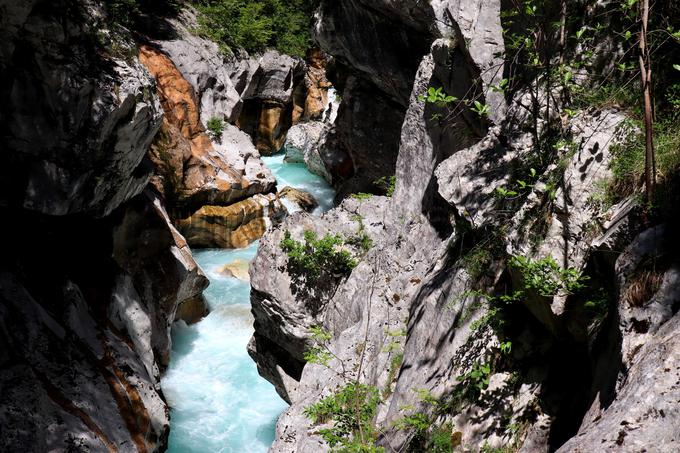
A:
555,55
255,25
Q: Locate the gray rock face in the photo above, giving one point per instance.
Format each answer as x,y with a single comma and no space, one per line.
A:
274,78
576,217
398,32
203,66
367,132
85,329
478,24
445,143
79,124
64,376
420,276
576,210
303,144
365,143
147,246
644,413
92,270
406,275
383,75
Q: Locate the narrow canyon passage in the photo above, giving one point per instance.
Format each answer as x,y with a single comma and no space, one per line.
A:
218,401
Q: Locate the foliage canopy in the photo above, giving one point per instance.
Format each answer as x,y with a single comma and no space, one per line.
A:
255,25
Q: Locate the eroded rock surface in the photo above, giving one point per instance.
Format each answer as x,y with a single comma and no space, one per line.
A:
194,170
267,85
233,226
202,65
646,380
83,344
77,123
93,271
303,144
304,200
417,313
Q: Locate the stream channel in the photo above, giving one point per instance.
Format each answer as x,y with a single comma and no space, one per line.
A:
218,401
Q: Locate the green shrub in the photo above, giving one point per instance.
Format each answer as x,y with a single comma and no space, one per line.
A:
477,379
387,184
317,257
425,434
417,422
477,261
496,313
486,448
122,11
441,440
628,163
438,97
351,412
319,353
362,240
127,12
215,127
395,364
362,196
546,277
255,25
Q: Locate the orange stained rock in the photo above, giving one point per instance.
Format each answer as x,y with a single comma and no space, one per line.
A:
200,166
233,226
270,133
177,95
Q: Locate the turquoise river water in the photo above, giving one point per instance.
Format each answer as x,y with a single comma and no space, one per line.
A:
218,401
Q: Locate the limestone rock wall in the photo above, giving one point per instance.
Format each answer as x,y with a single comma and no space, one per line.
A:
192,170
572,381
77,122
93,270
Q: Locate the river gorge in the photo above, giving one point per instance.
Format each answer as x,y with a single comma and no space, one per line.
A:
217,400
366,226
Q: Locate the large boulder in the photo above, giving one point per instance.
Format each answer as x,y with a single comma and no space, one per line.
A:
267,84
303,200
233,226
275,77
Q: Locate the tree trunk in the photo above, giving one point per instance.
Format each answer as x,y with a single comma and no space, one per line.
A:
563,30
646,79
